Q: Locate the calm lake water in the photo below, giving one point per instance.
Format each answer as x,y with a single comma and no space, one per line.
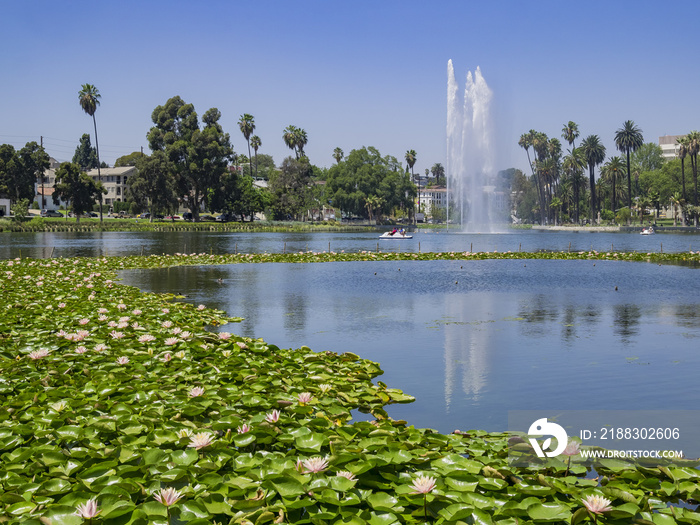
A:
88,244
473,340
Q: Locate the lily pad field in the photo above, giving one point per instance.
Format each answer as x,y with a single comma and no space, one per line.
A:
123,407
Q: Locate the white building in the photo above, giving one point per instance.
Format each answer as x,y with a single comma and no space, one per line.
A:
431,199
669,145
4,208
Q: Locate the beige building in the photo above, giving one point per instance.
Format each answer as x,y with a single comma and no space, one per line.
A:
114,181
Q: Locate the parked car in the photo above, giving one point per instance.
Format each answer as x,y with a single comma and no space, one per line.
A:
91,214
172,217
224,217
187,216
50,213
206,218
144,216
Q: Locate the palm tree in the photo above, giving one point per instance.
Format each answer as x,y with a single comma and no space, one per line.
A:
682,154
255,142
247,125
570,133
693,150
627,139
677,202
574,165
290,138
338,155
594,152
438,172
89,98
410,161
613,171
300,140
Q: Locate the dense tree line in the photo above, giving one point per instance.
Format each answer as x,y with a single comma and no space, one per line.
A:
564,187
193,163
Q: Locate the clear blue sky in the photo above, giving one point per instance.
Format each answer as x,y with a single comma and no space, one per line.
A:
352,74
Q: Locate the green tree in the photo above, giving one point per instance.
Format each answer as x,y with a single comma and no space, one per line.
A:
338,155
438,171
85,155
77,187
570,133
693,150
242,197
682,154
247,125
200,156
154,184
89,98
255,142
131,159
628,139
366,173
295,139
574,165
35,161
648,157
410,157
594,152
612,171
289,189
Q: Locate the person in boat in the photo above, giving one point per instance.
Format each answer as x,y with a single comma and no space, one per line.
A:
393,231
402,232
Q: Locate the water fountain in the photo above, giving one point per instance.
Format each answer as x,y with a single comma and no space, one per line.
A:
470,154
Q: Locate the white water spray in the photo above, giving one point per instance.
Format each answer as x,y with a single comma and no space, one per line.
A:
470,162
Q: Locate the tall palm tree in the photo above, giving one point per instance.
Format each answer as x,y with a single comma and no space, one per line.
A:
300,140
290,138
411,160
594,153
613,171
570,133
338,155
255,142
89,98
682,154
247,125
627,139
693,150
438,172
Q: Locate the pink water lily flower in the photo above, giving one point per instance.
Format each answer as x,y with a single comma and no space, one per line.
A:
572,448
273,416
196,391
315,465
88,510
224,335
346,474
304,397
597,504
122,360
39,354
146,338
423,485
170,341
201,440
168,496
243,428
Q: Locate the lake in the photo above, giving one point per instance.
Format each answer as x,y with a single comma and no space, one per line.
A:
473,340
90,244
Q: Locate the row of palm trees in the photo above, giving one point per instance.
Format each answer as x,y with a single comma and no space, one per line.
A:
554,175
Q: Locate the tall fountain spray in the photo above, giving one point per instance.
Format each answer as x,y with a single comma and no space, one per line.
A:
470,154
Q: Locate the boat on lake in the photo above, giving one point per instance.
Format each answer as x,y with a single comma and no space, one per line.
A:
647,231
397,234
